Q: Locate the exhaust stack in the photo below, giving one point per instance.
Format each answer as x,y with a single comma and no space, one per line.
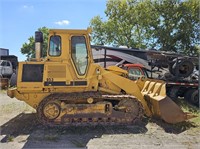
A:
38,45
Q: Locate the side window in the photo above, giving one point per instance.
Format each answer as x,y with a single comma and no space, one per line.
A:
8,64
4,63
79,54
55,45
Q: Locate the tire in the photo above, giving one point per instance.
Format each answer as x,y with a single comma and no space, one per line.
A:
181,68
173,92
197,67
13,80
171,64
192,96
195,98
187,94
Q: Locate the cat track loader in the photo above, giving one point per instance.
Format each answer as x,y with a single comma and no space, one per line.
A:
68,88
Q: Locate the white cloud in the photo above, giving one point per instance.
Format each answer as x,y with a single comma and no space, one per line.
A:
27,6
62,22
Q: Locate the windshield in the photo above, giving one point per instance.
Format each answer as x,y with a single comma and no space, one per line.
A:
135,73
4,63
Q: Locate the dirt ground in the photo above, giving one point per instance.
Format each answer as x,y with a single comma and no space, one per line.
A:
20,129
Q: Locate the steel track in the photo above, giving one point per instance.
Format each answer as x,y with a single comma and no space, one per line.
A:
133,112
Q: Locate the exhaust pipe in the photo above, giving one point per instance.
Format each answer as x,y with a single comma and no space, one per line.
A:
38,45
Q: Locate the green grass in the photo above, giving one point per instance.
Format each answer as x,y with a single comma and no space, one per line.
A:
187,107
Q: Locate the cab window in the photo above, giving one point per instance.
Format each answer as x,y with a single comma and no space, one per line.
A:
55,45
5,63
134,73
8,64
79,54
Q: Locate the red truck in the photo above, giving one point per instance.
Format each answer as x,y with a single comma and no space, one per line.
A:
175,88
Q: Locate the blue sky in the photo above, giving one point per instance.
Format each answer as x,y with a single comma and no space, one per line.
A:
19,19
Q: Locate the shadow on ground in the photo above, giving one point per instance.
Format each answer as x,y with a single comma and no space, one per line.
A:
22,124
60,137
174,128
40,136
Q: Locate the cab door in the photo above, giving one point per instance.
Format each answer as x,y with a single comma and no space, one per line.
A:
79,55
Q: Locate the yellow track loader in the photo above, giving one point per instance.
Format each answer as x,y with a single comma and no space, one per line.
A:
68,88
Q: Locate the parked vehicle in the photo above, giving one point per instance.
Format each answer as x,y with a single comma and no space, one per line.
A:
6,68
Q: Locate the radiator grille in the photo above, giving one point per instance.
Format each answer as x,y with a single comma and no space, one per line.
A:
32,73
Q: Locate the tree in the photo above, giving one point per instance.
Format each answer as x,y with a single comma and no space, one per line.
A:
170,25
28,48
179,26
121,28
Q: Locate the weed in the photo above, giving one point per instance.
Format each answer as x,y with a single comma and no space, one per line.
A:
10,138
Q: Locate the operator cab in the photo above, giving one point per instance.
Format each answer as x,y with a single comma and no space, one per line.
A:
70,45
135,71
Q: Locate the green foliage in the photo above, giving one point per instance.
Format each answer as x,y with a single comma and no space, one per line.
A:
28,48
178,29
169,25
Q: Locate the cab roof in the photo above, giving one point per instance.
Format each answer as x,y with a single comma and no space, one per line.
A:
71,31
134,65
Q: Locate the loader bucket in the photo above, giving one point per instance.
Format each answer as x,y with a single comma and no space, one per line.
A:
160,105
